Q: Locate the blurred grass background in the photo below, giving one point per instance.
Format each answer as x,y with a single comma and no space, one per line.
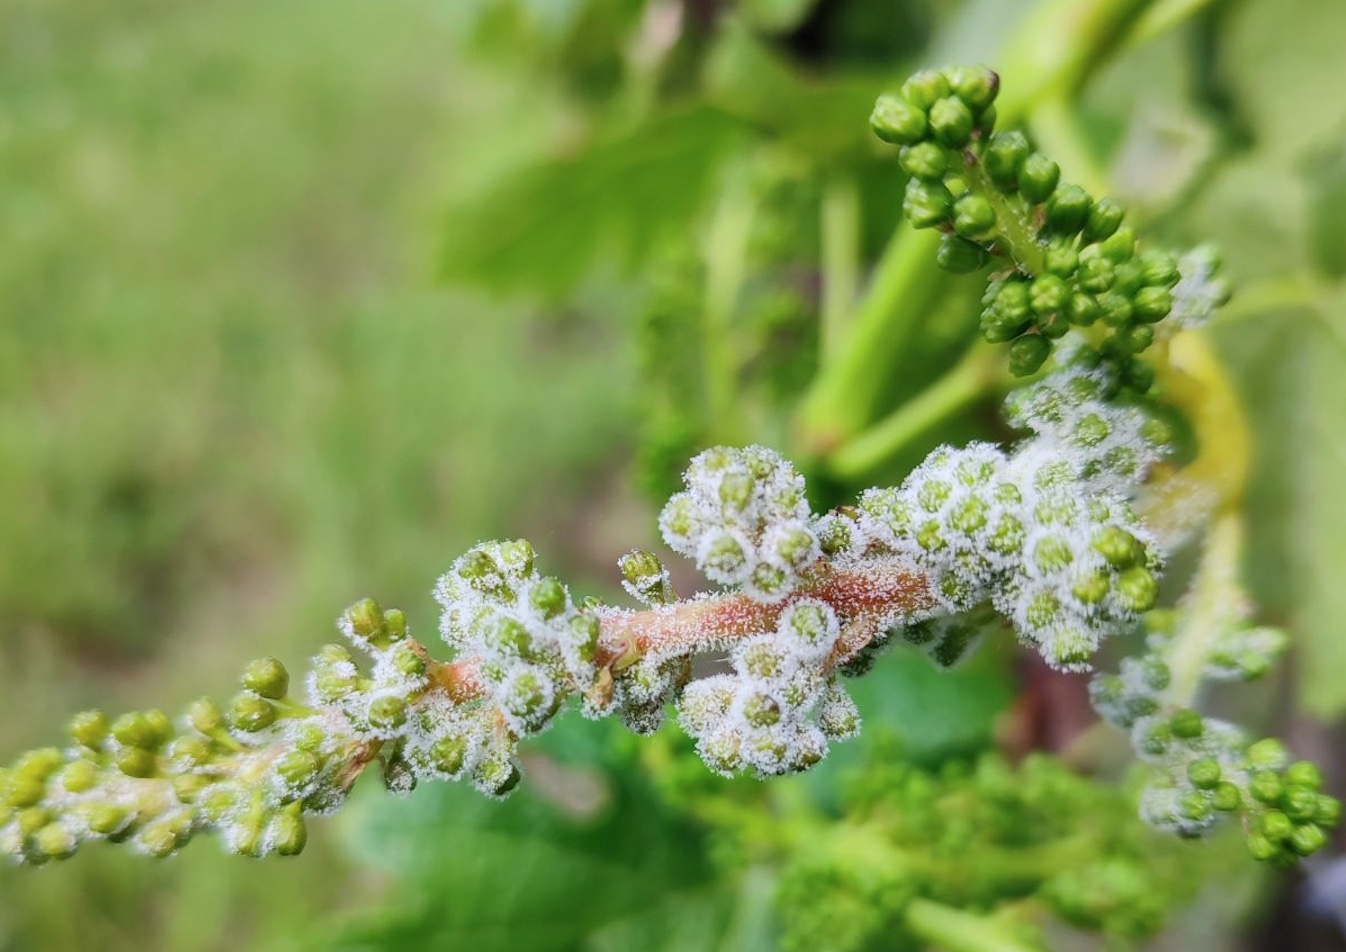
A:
234,396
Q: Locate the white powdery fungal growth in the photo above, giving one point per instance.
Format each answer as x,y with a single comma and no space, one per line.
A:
744,520
1111,446
1198,293
1171,800
532,643
779,708
1046,535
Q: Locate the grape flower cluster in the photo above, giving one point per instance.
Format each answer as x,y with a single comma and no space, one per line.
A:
1042,537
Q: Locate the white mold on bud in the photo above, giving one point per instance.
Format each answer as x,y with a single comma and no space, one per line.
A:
744,520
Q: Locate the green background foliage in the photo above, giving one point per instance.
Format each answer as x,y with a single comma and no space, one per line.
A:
303,298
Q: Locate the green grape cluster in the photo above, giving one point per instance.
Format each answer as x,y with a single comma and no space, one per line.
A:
1205,769
1071,262
1033,831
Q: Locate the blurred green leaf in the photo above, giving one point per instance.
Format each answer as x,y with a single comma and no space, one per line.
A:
776,16
533,874
1289,367
1283,60
1327,210
544,227
825,119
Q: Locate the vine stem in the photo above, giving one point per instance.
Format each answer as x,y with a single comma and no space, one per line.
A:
840,226
961,385
957,931
869,596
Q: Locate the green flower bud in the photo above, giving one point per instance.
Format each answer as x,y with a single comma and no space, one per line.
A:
1155,738
1307,840
736,491
969,516
1004,156
249,712
1267,753
19,791
1266,787
205,716
137,762
105,819
1262,849
763,661
55,841
761,710
365,617
408,660
298,768
1304,773
584,631
960,256
395,623
216,803
288,832
1275,825
517,556
1299,803
1158,269
725,555
1091,588
1052,554
247,837
927,204
975,85
1226,796
1096,274
79,776
1120,246
447,754
1135,339
1062,260
951,122
166,836
1138,375
1137,589
498,778
1204,774
267,677
548,596
1196,806
1028,354
1187,724
508,636
1104,219
191,750
147,729
1048,294
1038,177
924,160
1120,548
1068,209
923,89
1083,310
89,728
973,216
1151,304
387,712
896,120
187,787
1328,812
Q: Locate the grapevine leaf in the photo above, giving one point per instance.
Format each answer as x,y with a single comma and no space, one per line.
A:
527,873
1289,365
542,228
1290,96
